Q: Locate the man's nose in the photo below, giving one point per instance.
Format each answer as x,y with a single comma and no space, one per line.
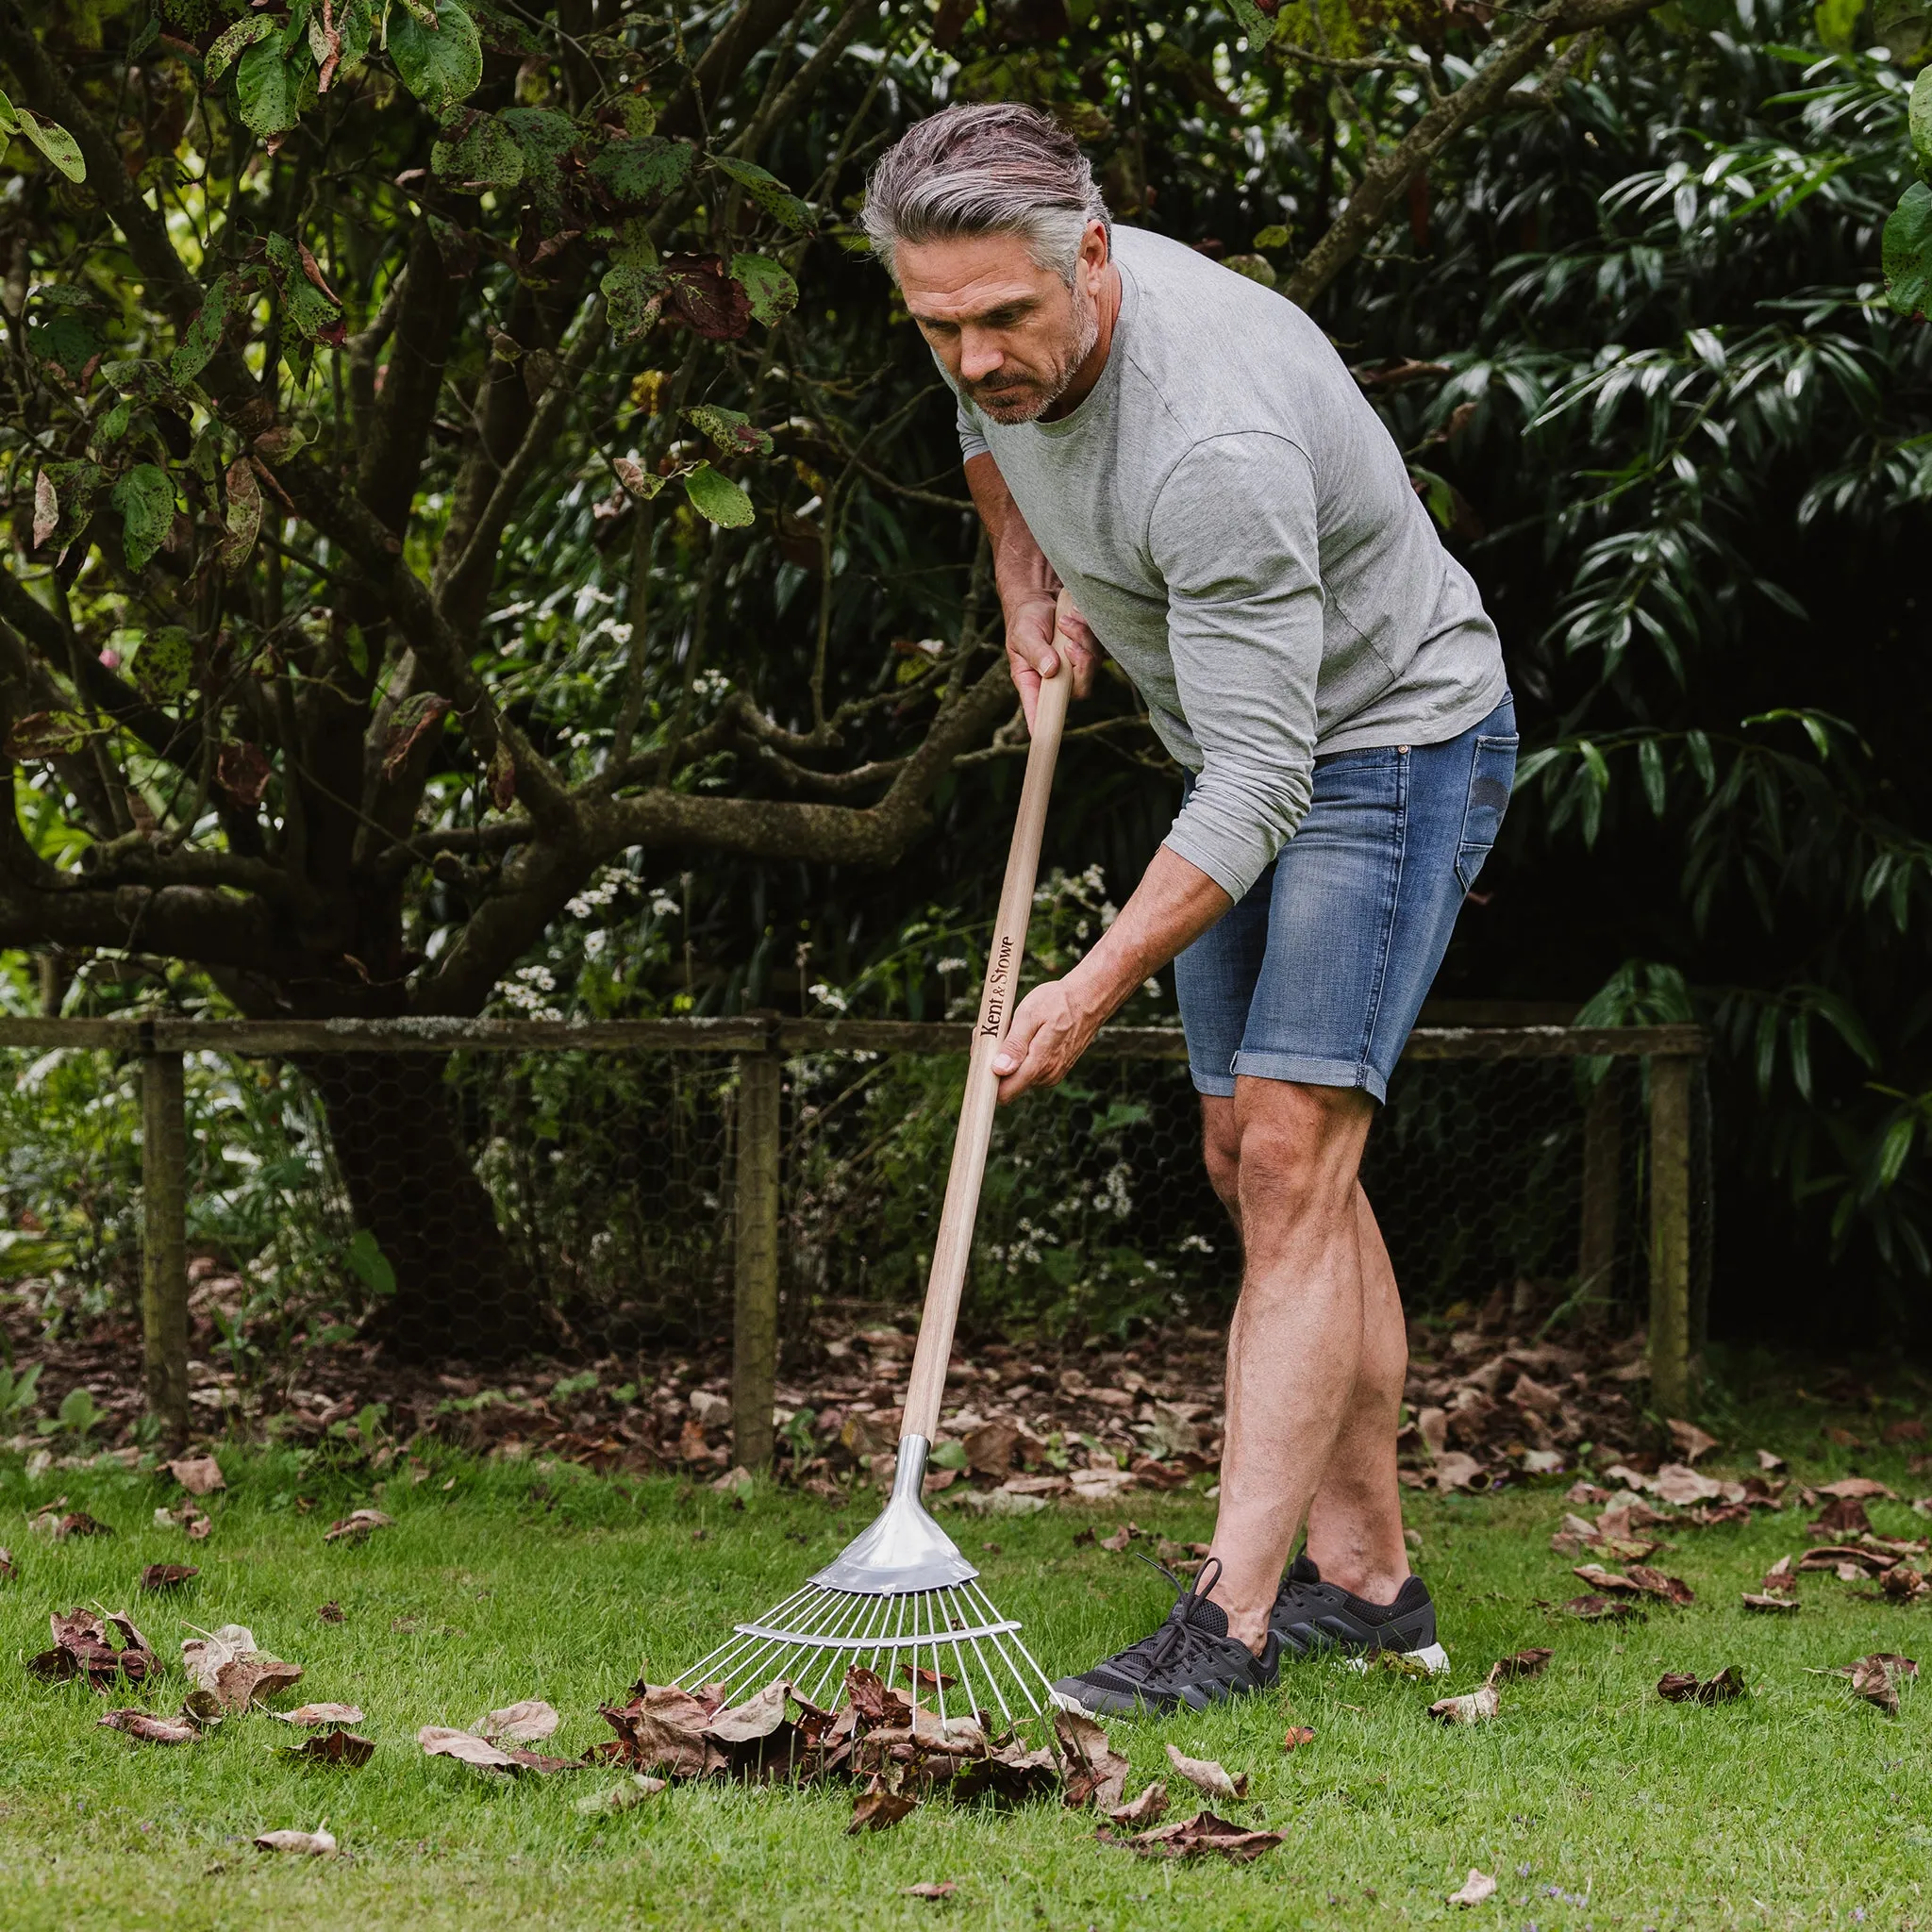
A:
979,354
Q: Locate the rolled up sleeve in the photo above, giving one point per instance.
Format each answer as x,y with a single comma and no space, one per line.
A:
1235,536
971,442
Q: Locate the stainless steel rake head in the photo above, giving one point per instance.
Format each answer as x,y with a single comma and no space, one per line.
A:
901,1600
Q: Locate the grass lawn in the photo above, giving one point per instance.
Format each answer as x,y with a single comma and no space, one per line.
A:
1592,1801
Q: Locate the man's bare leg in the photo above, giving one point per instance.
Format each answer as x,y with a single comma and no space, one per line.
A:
1317,1352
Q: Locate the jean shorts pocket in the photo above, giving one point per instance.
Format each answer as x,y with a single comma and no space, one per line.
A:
1491,774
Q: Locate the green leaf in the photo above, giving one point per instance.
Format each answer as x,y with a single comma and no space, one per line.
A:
637,172
484,155
54,142
270,92
202,336
315,312
766,189
1258,26
373,1267
1698,744
716,497
1274,236
442,66
1837,22
9,117
770,290
1650,764
145,499
1896,1149
731,430
233,42
636,480
164,664
1919,118
545,137
632,297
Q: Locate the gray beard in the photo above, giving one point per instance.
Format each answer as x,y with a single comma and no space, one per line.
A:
1030,404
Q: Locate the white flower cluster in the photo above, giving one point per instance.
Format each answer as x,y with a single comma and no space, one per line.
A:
605,890
828,995
525,988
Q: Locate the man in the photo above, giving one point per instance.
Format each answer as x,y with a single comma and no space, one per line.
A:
1186,454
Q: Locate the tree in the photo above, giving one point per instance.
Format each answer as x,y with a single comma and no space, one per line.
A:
332,341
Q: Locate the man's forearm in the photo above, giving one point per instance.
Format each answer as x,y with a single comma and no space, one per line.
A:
1172,906
1019,566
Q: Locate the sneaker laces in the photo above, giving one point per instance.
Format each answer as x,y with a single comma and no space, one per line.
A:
1181,1641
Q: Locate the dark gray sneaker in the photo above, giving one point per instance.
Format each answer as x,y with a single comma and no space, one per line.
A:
1310,1616
1188,1664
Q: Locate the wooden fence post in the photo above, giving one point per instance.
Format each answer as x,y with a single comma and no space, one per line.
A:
754,1325
1669,1235
1596,1247
164,1243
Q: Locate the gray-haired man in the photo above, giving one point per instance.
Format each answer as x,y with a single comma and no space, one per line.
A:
1186,454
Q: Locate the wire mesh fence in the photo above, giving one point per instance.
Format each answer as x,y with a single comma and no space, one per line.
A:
475,1192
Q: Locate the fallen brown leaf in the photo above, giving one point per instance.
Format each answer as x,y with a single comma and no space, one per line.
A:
927,1887
1477,1887
633,1790
1207,1775
1602,1609
81,1649
167,1575
925,1679
356,1525
200,1476
149,1728
1842,1516
1770,1462
1855,1486
341,1750
1095,1773
438,1741
1690,1439
528,1722
311,1716
7,1573
1876,1678
1201,1835
331,1612
879,1810
1520,1663
319,1843
1148,1807
1764,1600
76,1523
1679,1483
1475,1708
1296,1736
233,1670
1681,1686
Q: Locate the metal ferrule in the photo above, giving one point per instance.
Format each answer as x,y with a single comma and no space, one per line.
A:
904,1549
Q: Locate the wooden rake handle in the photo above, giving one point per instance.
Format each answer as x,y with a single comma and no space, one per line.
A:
947,1282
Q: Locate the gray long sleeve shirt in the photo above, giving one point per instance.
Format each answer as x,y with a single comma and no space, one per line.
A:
1240,530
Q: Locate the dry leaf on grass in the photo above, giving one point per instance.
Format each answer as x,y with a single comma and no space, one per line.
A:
1639,1580
1475,1888
1681,1686
356,1525
232,1670
1095,1773
1474,1708
528,1722
1876,1678
1520,1663
921,1678
1457,1470
1207,1775
1679,1483
633,1790
1201,1835
157,1576
331,1612
313,1716
319,1843
1763,1603
876,1809
1296,1736
438,1741
76,1523
82,1649
200,1476
1148,1808
927,1887
7,1573
1768,1461
341,1750
149,1728
1602,1609
1849,1486
1690,1439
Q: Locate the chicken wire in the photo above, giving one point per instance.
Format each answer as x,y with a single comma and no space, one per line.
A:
464,1204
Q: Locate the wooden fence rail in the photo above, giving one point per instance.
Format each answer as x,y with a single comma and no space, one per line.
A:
761,1043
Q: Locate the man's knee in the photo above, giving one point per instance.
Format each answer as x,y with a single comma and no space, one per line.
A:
1221,1149
1297,1150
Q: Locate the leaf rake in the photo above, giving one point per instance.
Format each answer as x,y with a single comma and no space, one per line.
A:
901,1599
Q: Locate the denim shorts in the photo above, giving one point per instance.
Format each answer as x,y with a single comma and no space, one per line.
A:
1318,974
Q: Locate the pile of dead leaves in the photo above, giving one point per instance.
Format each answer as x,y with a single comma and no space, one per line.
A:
82,1649
901,1754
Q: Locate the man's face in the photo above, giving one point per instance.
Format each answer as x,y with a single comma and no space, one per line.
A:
1010,333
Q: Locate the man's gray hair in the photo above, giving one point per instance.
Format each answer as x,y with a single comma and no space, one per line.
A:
997,169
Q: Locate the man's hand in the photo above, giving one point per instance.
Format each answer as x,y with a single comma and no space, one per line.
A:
1041,628
1052,1027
